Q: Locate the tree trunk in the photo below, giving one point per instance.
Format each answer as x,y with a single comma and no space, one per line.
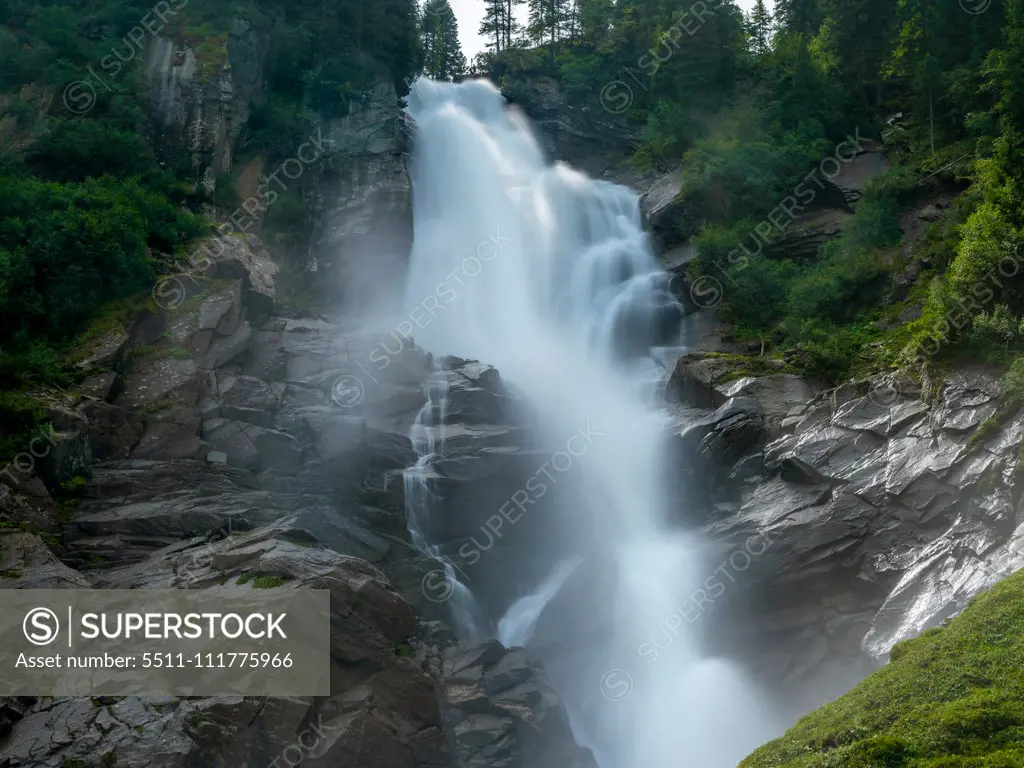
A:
931,118
508,24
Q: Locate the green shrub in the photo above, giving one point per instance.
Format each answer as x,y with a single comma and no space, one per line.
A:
1013,382
65,251
78,149
987,238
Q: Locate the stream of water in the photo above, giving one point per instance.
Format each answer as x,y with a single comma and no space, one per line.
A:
565,298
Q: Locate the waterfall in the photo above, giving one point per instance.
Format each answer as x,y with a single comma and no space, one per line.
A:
549,276
519,622
427,438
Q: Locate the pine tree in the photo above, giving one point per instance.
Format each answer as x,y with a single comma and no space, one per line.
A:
799,17
760,25
595,19
442,54
548,19
493,25
860,35
919,55
512,27
499,23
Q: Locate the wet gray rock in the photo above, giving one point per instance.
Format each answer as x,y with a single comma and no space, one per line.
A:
201,106
364,222
503,711
662,210
246,445
585,135
27,563
885,513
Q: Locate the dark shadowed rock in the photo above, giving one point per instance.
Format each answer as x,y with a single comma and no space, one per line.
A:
503,712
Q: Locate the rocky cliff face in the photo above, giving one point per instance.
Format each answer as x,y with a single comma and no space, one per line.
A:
885,512
217,440
364,213
201,95
593,140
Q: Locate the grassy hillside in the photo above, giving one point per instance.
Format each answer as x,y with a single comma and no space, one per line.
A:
951,698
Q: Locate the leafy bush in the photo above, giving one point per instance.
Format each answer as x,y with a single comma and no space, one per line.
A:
987,239
1013,382
820,309
66,250
80,148
744,172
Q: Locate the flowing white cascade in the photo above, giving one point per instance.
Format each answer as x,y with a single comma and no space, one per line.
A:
428,441
548,275
517,626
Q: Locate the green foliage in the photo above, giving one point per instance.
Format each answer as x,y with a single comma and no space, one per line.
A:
986,238
267,582
1013,382
66,250
79,148
747,107
740,172
820,310
442,54
951,698
403,650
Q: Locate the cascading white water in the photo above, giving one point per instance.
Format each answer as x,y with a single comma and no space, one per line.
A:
549,276
428,441
517,626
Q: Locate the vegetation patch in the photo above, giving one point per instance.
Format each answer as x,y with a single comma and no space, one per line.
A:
267,582
951,698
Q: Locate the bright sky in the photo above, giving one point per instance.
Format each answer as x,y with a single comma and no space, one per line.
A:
470,12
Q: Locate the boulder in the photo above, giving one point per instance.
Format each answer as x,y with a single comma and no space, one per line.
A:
27,563
663,211
502,711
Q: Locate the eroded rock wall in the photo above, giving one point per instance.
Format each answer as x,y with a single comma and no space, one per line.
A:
219,440
885,513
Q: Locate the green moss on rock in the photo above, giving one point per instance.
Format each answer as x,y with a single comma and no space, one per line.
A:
267,582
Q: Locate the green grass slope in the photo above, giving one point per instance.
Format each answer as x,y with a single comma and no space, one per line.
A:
951,698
